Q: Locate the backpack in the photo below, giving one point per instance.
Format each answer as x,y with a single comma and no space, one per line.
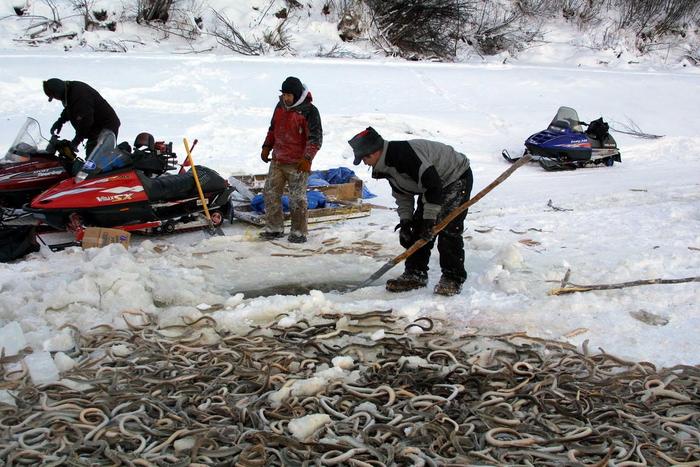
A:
598,129
16,242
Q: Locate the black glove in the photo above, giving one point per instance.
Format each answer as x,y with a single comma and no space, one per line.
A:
265,154
66,149
56,127
405,232
424,229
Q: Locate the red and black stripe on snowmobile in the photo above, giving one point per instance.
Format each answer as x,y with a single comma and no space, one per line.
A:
130,200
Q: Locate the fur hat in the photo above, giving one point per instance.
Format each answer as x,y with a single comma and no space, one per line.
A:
292,86
365,143
55,88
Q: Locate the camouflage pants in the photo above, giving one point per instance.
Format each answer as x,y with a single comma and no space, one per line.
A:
449,240
279,176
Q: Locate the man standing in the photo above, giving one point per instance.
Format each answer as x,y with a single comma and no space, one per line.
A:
294,137
442,179
86,110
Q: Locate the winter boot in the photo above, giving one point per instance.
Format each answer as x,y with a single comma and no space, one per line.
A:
409,280
294,238
448,287
267,235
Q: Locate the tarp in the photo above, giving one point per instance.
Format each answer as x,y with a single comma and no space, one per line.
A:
335,177
16,242
315,199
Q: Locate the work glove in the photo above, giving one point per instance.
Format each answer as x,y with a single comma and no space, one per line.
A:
265,154
304,165
56,127
66,149
424,229
74,144
405,228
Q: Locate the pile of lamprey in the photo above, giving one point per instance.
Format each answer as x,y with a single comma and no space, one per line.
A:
406,394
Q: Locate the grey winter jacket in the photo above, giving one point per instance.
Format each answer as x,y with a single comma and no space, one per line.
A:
419,167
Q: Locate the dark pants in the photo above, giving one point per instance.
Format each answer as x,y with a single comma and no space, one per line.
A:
449,240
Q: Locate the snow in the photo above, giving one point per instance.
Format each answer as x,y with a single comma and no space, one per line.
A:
303,428
635,220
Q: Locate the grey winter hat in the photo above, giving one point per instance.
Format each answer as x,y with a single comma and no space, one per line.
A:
293,86
365,143
55,88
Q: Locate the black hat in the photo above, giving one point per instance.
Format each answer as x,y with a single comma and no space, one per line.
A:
55,88
365,143
292,86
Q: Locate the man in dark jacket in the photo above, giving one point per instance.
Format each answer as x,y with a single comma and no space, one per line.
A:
294,137
84,108
442,179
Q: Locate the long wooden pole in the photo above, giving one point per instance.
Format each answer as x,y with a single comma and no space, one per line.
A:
449,218
212,228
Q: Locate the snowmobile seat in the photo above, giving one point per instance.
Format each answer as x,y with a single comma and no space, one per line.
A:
210,180
167,187
145,140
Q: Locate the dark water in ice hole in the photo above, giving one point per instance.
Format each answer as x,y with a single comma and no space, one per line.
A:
296,289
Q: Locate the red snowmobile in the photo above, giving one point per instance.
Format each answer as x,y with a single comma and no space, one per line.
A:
31,165
132,191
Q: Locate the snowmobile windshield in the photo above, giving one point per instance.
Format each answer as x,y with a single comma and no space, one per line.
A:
104,158
566,117
26,143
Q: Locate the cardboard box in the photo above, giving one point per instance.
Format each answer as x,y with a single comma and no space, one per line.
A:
97,237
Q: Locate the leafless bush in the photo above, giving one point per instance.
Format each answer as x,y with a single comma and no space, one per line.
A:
419,28
278,38
55,16
228,36
153,10
44,29
583,12
652,18
437,28
93,19
493,28
351,24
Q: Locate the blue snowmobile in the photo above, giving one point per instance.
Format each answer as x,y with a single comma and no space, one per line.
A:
564,145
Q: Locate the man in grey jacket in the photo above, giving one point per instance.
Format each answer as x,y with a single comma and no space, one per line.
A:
442,180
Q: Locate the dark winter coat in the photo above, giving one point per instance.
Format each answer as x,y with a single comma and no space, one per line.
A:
419,167
88,112
295,132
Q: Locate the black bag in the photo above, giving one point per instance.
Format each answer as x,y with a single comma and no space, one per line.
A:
16,242
598,129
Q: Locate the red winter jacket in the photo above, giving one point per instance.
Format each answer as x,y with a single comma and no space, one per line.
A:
295,132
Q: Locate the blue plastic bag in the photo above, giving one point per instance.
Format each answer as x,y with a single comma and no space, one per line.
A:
314,200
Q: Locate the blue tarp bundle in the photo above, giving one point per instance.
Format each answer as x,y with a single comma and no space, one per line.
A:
316,199
335,177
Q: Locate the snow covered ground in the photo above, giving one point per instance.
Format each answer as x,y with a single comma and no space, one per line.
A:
636,220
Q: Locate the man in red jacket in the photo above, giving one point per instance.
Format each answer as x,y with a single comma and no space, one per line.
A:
294,138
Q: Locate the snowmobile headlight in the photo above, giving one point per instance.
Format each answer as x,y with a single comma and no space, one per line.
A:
80,176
